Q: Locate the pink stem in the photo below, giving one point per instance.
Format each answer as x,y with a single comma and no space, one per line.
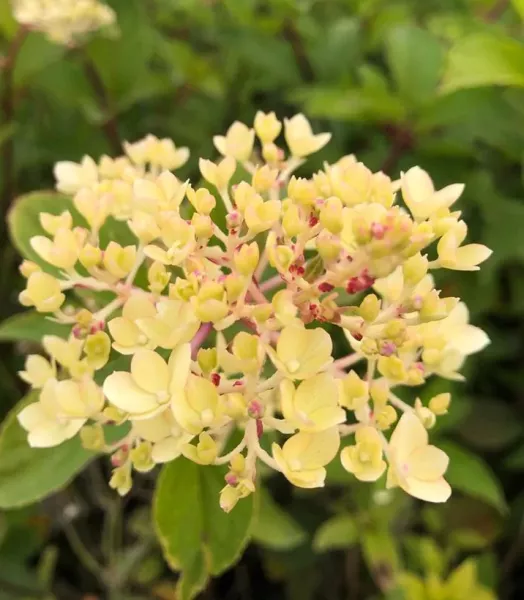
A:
347,361
271,283
200,338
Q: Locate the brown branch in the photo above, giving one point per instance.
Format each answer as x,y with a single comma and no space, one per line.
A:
401,141
109,123
291,35
496,11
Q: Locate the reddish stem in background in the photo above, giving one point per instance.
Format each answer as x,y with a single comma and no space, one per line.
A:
200,338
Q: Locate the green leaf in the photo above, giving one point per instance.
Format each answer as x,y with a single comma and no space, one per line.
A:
196,535
515,460
416,59
30,474
274,528
471,475
30,327
484,59
493,425
518,5
24,223
382,557
336,533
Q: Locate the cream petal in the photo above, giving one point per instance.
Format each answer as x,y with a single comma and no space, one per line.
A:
32,416
166,450
319,391
427,464
312,450
430,491
179,365
122,391
469,340
137,307
409,435
150,372
312,478
154,429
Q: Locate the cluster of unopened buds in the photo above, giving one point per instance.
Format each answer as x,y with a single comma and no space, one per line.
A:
223,328
63,21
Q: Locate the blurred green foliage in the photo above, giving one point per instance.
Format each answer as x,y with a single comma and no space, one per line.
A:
438,83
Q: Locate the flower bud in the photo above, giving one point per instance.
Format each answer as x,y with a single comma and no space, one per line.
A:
202,200
369,347
90,256
439,404
426,416
271,153
415,269
331,215
246,259
379,391
354,392
229,498
369,308
121,479
210,303
97,349
207,359
27,268
385,417
264,178
204,453
328,247
267,127
158,277
203,226
119,260
302,191
235,405
92,437
262,312
52,223
234,286
140,457
392,368
292,221
43,292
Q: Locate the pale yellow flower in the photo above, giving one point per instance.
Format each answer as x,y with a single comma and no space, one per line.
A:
164,193
63,250
301,353
364,459
300,138
72,177
119,260
415,466
246,356
43,292
196,405
164,433
303,457
313,406
173,323
267,126
420,196
147,390
127,336
237,143
62,409
452,255
218,174
65,352
38,371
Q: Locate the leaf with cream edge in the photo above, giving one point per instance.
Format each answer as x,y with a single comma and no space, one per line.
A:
29,474
196,535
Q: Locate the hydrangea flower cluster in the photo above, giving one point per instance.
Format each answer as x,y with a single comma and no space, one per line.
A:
63,21
293,256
